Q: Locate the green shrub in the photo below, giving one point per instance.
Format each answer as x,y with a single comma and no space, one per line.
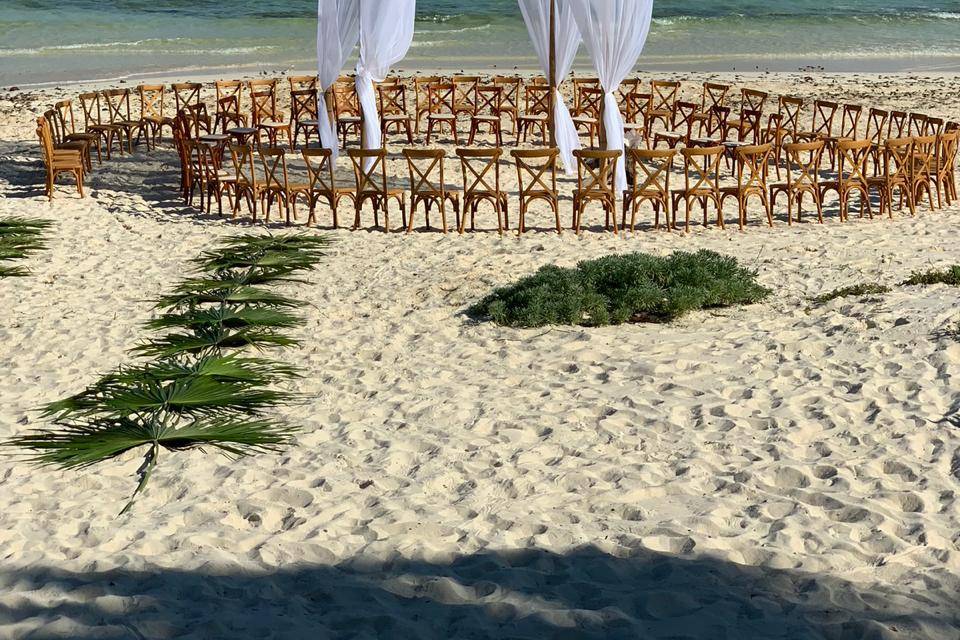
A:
622,288
949,276
854,290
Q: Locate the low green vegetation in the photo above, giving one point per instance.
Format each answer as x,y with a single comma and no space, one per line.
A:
856,290
19,237
950,276
633,287
200,391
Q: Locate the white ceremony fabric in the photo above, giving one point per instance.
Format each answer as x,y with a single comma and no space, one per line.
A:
614,32
536,15
338,29
386,33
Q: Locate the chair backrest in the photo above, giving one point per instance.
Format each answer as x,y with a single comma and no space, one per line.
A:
151,101
898,160
750,125
476,166
701,168
850,120
441,98
877,125
752,100
465,93
489,100
824,112
934,127
918,124
714,95
664,95
64,118
897,124
45,136
924,155
803,164
345,97
511,91
655,165
790,108
947,151
392,99
274,161
202,164
303,83
425,167
369,170
595,170
421,94
684,115
582,83
853,160
186,93
536,99
320,169
716,122
303,105
229,89
590,101
197,119
243,166
263,105
118,104
752,167
637,104
536,170
50,116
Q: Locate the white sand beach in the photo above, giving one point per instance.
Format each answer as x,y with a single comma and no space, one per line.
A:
783,470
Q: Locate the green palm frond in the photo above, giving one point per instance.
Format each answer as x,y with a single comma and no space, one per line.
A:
193,296
204,341
19,237
13,272
228,317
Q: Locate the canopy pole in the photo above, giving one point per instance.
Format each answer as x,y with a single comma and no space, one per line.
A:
552,72
363,115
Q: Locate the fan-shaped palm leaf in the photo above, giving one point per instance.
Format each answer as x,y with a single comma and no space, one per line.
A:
213,341
229,317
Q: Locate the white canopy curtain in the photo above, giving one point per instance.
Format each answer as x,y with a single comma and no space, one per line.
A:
536,15
338,29
614,32
386,33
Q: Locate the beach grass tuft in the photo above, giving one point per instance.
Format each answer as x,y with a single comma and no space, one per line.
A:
199,392
634,287
857,290
20,237
950,276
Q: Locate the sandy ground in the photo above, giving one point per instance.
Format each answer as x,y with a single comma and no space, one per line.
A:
783,470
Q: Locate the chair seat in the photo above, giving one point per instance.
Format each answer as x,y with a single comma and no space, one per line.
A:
541,117
441,116
309,123
272,124
396,118
585,120
349,119
705,142
539,193
486,118
673,135
88,137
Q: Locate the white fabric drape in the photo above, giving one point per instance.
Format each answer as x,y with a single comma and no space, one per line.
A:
338,29
614,32
536,15
386,33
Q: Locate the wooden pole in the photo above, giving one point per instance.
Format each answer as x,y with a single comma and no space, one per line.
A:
363,115
552,73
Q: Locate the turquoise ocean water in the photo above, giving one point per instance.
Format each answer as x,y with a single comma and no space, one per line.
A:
55,41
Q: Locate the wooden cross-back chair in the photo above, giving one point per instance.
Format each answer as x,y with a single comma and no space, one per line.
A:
276,185
465,94
578,83
924,156
265,115
152,112
917,124
347,108
198,120
118,108
713,95
428,186
536,110
392,101
664,99
68,128
821,125
58,162
246,183
784,127
480,169
752,164
714,129
421,97
322,183
849,125
628,86
897,125
229,111
441,98
590,100
681,126
803,178
876,133
595,173
61,143
304,83
851,176
701,177
945,165
934,126
186,93
304,115
650,169
751,101
537,181
206,177
488,113
510,100
370,173
896,176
